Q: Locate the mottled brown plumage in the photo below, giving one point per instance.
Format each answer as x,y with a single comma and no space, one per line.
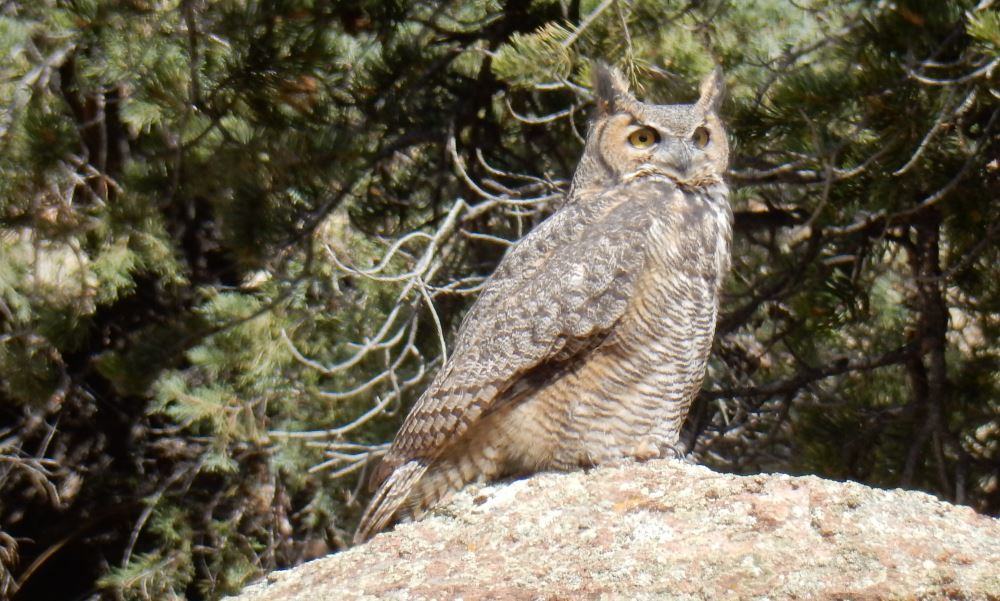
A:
590,339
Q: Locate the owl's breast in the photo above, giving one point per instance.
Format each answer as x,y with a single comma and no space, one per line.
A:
668,328
690,235
671,318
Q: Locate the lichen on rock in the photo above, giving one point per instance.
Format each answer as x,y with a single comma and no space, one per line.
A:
666,530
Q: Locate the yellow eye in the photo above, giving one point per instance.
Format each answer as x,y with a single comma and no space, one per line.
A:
700,137
643,138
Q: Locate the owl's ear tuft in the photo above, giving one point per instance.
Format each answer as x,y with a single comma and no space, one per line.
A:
711,91
610,89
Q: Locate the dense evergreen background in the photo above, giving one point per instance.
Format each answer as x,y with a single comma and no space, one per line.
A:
235,235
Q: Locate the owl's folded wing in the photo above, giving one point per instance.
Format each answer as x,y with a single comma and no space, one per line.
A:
563,287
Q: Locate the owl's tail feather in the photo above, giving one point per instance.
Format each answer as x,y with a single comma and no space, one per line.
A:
391,496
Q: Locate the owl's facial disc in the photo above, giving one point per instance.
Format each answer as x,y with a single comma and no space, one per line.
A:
682,158
629,139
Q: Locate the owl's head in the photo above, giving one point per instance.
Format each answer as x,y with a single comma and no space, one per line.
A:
629,139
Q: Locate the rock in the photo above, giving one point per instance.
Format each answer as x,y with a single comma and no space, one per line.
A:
666,530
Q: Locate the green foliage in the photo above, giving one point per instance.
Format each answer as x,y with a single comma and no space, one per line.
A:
154,575
985,26
541,54
231,244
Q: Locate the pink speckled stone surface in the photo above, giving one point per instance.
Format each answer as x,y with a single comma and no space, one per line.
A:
666,530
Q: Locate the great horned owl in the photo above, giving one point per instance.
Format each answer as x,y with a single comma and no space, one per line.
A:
589,341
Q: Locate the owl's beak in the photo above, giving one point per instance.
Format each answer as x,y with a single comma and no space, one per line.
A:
674,157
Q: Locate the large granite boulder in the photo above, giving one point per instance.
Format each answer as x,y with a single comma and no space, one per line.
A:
666,530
